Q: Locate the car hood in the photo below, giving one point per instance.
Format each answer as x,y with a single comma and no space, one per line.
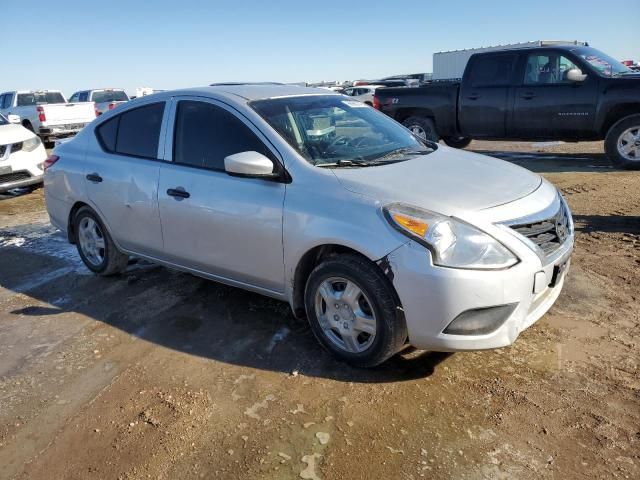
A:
13,133
446,181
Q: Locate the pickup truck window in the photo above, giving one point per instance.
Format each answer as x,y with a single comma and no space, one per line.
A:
602,63
39,98
102,96
547,69
83,97
332,130
492,70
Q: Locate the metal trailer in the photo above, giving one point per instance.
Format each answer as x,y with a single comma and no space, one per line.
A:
450,65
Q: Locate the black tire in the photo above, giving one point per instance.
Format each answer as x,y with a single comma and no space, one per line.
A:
28,126
390,330
420,125
457,142
113,261
614,136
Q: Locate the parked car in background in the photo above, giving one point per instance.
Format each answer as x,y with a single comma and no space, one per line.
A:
363,94
380,238
47,113
104,99
22,155
559,92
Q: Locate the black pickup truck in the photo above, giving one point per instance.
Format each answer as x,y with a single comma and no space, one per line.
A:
561,92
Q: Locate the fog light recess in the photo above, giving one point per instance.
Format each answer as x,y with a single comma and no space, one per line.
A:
480,321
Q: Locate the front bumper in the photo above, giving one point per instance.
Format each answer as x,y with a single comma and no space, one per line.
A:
432,297
22,169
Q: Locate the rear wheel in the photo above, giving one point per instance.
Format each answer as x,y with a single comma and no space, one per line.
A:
622,143
353,312
97,250
457,142
422,127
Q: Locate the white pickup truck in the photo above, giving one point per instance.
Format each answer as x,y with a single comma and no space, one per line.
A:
47,113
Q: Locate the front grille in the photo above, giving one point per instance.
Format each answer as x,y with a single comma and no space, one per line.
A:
14,177
12,148
16,147
548,234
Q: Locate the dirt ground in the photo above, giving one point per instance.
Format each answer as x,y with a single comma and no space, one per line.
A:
159,374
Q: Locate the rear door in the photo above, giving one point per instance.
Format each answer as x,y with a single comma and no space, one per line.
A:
122,170
226,226
547,105
485,93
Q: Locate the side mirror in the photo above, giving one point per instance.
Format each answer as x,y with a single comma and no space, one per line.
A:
249,164
13,118
575,75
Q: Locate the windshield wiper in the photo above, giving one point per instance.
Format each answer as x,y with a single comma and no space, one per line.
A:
402,151
344,163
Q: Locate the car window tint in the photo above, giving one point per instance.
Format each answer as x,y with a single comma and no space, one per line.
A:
83,97
139,131
107,132
74,97
492,70
3,98
547,69
205,134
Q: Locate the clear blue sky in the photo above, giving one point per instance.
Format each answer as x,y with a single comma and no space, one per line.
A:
73,44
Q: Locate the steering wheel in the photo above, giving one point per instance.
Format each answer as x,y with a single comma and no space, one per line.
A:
339,141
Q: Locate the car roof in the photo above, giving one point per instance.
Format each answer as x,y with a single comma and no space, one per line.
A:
568,48
250,91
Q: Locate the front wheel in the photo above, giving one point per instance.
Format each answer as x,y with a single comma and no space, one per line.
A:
457,142
622,143
95,246
422,127
353,312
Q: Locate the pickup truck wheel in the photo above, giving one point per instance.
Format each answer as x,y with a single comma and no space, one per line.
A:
353,311
28,126
422,127
457,142
97,250
622,143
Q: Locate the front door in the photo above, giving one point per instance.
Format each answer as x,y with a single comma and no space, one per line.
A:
548,105
222,225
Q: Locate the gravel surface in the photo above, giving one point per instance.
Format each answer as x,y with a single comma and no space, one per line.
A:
159,374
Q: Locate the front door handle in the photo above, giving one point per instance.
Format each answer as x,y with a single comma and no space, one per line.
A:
94,177
473,96
527,95
178,192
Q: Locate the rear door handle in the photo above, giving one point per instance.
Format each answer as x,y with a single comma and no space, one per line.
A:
527,95
473,96
94,177
178,193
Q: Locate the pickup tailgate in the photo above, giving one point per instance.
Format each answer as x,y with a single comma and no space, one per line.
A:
68,113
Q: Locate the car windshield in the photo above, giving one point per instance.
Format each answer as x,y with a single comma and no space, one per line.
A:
39,98
603,63
3,120
335,131
102,96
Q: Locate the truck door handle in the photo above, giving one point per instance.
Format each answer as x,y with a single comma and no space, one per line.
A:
473,96
178,193
527,95
94,177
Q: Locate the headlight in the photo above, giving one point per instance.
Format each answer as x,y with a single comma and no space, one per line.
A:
31,144
452,242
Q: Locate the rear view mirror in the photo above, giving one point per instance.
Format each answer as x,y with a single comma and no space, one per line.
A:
575,75
13,118
249,164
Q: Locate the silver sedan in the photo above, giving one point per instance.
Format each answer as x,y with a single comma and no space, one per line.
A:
381,239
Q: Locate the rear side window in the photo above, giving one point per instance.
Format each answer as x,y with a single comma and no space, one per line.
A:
135,132
205,134
83,97
492,70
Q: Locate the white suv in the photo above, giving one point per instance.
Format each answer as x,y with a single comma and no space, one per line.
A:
22,155
380,238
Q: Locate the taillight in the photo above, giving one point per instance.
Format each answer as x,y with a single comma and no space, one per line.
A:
41,116
376,103
95,109
51,159
112,106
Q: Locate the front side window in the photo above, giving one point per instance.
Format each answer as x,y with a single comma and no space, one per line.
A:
492,70
74,97
205,134
39,98
134,133
83,97
547,69
335,131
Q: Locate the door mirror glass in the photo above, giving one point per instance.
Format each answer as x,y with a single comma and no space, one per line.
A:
13,118
575,75
249,164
